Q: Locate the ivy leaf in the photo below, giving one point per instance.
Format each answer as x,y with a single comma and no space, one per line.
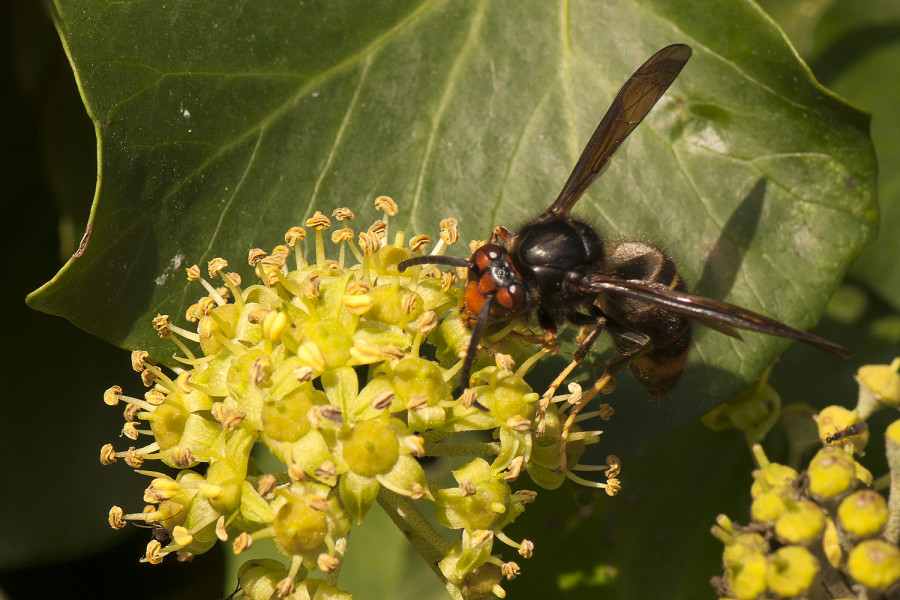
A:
221,124
856,44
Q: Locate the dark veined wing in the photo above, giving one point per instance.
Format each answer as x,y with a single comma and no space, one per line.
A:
632,103
707,311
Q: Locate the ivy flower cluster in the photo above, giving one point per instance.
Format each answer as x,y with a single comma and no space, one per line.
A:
342,368
826,532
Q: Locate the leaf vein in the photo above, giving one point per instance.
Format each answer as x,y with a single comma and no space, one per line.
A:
449,88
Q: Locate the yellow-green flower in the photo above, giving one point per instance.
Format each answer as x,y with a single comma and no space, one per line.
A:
791,571
327,362
863,514
875,564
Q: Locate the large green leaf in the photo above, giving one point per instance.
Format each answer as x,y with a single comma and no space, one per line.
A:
851,45
857,44
221,124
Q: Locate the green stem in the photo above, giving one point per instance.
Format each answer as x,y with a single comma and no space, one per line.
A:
892,528
424,538
340,548
473,449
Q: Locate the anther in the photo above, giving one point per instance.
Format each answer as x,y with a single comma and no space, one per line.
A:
342,214
416,402
449,231
131,411
416,491
317,503
378,229
357,304
182,457
510,570
163,325
183,382
357,286
138,358
133,459
392,351
613,486
215,266
318,221
386,205
518,423
115,518
130,430
415,444
409,302
326,472
148,377
107,454
294,236
285,587
369,243
181,536
255,255
111,395
419,242
382,400
266,484
152,554
327,563
342,235
242,542
427,322
614,464
514,469
221,532
448,280
482,536
505,361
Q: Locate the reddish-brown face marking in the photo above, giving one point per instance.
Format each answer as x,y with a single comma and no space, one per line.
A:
493,275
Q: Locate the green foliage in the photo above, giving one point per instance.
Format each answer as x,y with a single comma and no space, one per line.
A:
223,124
220,124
